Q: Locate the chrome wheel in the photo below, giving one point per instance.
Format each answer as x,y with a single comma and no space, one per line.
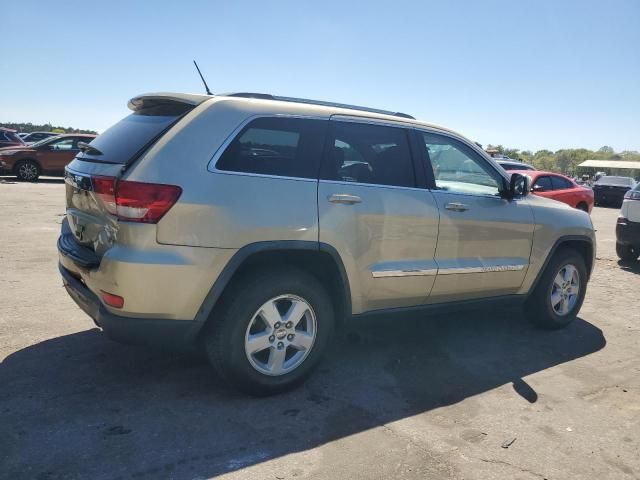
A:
280,335
565,290
27,171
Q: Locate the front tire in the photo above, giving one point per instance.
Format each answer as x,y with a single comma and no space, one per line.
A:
27,170
270,330
557,298
627,253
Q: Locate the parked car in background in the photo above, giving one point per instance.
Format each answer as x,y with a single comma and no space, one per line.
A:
628,226
561,188
255,225
9,138
514,165
34,137
610,190
46,157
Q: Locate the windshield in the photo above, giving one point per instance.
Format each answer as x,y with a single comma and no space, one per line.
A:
619,181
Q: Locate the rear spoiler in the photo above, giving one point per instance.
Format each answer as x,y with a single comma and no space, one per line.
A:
149,100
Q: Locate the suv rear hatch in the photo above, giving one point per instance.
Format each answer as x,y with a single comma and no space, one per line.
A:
96,197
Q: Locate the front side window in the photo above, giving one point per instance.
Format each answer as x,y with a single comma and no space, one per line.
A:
366,153
287,147
457,168
64,144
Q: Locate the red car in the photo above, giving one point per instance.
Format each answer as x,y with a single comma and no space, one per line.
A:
558,187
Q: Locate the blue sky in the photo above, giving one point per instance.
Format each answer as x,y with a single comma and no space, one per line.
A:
529,75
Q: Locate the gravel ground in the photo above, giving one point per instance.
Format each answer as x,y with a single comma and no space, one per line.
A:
479,395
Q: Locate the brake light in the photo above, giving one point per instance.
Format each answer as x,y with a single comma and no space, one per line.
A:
135,201
115,301
632,195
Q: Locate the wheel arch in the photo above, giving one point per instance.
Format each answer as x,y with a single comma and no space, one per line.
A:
319,259
580,243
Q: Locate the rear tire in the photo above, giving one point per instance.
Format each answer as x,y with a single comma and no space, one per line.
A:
627,253
555,303
583,206
284,355
27,170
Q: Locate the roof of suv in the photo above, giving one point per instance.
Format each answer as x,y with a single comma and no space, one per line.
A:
318,107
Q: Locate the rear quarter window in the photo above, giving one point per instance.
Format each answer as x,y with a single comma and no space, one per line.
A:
285,147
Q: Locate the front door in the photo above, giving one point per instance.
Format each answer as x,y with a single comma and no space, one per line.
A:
384,228
484,240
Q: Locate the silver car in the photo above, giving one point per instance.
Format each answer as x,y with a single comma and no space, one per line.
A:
256,225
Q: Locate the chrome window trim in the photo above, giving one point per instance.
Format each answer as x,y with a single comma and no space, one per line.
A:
211,166
338,117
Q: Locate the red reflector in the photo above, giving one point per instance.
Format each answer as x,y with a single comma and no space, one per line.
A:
135,201
112,300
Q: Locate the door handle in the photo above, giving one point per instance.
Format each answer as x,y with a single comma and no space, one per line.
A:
456,207
344,198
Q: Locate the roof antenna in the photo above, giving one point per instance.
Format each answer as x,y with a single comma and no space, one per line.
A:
206,87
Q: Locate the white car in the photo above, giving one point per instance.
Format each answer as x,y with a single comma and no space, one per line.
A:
628,226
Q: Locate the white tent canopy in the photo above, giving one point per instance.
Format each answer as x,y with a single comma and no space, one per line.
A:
614,164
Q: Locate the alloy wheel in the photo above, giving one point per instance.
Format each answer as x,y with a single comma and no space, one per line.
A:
565,290
280,335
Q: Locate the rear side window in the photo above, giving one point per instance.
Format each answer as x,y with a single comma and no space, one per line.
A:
286,147
560,183
543,184
124,141
366,153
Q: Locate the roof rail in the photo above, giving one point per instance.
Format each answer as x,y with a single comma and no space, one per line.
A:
267,96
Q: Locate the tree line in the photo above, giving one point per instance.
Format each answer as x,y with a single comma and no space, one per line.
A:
47,127
566,160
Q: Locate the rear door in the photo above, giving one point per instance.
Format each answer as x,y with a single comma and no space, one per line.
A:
484,240
371,210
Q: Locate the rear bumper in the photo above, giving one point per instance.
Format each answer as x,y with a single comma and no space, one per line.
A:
628,233
140,331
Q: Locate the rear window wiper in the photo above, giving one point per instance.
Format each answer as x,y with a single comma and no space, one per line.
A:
88,149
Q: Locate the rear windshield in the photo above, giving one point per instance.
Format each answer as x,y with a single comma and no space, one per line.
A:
621,181
125,140
11,137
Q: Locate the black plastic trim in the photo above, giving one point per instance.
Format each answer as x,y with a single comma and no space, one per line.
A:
558,243
139,331
503,301
70,248
247,251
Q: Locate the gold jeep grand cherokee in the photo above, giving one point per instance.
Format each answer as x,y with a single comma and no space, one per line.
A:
255,224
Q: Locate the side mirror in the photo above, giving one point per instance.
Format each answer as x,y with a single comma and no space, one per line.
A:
519,186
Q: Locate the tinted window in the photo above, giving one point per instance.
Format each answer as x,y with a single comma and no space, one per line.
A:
288,147
366,153
130,136
457,168
543,184
560,183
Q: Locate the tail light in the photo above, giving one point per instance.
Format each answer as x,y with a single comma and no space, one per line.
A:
622,221
135,201
632,195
